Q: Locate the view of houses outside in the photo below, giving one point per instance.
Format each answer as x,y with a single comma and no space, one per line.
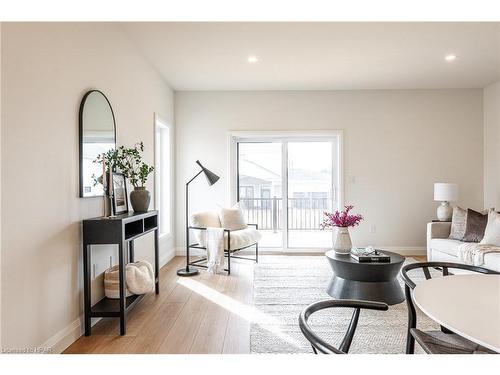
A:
309,173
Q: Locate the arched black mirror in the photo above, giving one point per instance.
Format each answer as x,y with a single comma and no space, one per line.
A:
97,136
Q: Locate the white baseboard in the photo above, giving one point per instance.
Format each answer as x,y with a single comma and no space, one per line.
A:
65,337
72,332
167,257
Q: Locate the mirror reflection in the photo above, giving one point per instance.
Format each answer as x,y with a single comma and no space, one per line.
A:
97,136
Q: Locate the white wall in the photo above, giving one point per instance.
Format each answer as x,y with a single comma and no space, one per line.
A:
46,69
396,145
0,187
492,145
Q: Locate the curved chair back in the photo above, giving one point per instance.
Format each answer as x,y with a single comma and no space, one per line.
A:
410,285
320,345
444,266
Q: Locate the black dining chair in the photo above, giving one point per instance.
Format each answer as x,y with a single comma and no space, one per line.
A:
444,341
317,343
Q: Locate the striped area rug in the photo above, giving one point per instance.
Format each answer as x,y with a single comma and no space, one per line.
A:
285,285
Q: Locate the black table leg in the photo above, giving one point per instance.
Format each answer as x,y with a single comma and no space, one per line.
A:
157,261
121,256
86,287
131,251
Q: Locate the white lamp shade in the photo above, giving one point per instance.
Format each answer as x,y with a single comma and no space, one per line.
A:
445,192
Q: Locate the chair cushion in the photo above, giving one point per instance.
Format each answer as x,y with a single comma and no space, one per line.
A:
437,342
232,218
205,219
242,238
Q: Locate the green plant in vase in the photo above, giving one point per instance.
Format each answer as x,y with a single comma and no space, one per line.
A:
129,161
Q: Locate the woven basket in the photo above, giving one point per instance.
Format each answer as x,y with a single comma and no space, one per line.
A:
112,283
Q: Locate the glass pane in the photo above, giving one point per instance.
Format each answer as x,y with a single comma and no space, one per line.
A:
309,193
260,189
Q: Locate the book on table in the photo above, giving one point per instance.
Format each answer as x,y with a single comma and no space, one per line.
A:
370,255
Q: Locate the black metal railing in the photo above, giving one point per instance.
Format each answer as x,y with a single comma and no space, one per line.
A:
303,213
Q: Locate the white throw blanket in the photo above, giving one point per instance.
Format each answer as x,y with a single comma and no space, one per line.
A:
473,253
140,277
215,249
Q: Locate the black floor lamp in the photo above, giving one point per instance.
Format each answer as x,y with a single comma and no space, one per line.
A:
212,178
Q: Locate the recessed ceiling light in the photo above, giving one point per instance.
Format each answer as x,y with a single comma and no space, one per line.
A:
252,59
450,57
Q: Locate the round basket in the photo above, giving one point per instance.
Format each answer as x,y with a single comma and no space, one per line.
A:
112,283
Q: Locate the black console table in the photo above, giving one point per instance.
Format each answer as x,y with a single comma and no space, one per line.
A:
121,230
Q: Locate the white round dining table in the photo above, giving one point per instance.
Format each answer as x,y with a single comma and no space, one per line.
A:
468,305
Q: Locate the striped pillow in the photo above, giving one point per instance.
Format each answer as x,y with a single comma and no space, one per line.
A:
458,223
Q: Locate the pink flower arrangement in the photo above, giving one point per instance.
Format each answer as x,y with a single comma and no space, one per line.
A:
341,219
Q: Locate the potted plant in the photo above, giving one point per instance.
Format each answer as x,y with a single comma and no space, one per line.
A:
129,162
342,220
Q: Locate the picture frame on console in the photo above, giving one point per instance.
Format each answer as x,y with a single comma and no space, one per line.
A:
120,196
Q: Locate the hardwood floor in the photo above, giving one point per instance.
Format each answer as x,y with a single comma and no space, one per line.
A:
201,314
186,317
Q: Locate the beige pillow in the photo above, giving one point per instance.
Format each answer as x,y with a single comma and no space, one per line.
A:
232,218
492,230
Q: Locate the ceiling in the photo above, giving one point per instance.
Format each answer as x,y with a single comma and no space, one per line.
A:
320,56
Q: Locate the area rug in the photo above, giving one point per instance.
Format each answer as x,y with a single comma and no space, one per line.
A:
285,285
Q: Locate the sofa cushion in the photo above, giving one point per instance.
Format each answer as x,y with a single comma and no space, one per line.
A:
242,238
458,222
475,226
491,260
492,231
445,245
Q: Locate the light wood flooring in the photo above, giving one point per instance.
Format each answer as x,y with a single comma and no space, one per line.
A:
200,314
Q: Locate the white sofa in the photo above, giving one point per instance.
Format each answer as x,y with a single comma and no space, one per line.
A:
440,248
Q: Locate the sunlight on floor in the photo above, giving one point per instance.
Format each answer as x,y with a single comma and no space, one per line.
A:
247,312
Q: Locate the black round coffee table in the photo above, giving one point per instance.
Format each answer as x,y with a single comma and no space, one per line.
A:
365,281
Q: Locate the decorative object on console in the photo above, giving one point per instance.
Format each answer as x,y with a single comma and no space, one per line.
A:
112,283
445,192
119,195
129,162
458,223
107,160
212,178
475,225
342,220
140,279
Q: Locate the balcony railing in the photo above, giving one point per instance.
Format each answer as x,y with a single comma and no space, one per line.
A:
303,213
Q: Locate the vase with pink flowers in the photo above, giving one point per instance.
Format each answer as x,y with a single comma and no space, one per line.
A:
342,220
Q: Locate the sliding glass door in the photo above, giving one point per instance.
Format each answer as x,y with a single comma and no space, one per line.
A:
285,185
260,182
310,193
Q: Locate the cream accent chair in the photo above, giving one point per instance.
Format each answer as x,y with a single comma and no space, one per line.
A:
234,240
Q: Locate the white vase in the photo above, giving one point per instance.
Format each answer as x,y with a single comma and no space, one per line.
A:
343,244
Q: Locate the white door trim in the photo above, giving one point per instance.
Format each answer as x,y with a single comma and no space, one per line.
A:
283,136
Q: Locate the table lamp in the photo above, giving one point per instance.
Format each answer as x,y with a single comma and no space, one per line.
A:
445,192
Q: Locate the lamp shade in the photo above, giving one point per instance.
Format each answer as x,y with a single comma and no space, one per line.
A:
445,192
212,178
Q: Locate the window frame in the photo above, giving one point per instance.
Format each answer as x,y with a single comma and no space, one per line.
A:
161,126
